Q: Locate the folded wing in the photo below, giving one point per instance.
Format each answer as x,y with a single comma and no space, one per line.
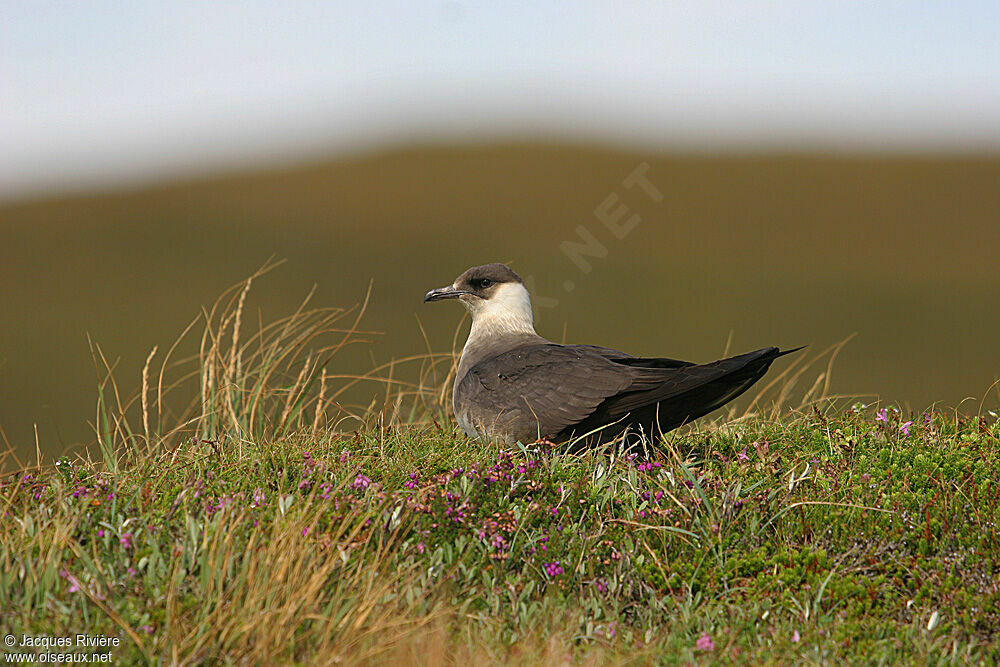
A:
562,391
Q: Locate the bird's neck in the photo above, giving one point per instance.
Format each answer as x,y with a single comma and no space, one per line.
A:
506,313
498,324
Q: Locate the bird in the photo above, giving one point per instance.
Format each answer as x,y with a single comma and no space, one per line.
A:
512,385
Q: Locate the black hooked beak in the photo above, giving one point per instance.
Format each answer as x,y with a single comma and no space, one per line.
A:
448,292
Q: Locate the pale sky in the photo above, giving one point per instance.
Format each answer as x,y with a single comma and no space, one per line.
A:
104,93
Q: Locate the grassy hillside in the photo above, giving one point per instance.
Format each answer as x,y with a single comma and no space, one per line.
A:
822,538
251,529
775,250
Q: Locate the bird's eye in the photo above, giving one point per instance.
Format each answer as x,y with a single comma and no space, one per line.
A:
483,283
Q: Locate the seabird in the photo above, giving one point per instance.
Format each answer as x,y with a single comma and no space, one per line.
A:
513,385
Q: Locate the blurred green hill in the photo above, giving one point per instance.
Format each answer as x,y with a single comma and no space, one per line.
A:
773,249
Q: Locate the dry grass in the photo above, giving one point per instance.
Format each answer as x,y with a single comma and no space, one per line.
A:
264,384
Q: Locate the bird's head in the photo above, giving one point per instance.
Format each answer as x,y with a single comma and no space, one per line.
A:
494,295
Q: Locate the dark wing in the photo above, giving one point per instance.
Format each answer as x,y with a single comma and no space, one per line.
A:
662,399
561,391
540,389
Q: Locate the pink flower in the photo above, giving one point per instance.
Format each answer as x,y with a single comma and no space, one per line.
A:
796,637
74,585
882,416
126,541
742,456
553,569
705,643
905,427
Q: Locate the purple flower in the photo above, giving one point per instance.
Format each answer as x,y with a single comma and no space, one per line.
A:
705,643
742,456
361,482
553,569
905,427
602,586
126,541
100,532
882,416
421,547
259,499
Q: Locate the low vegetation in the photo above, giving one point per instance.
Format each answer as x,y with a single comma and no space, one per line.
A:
253,527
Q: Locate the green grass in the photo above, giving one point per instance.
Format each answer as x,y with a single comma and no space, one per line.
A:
836,527
249,529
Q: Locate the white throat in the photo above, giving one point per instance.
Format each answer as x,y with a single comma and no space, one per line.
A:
508,311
